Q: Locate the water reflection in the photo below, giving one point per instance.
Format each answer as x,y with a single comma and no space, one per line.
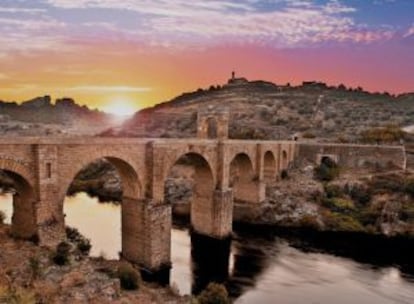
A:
209,261
265,267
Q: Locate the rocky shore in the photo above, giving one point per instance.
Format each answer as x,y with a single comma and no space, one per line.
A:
33,277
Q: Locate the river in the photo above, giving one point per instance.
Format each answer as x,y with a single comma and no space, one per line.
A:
264,268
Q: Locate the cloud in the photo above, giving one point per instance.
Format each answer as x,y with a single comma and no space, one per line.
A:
108,89
289,23
409,32
183,24
3,76
15,10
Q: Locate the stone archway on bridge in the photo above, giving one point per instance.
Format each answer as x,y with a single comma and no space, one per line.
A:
132,207
242,179
23,221
269,167
201,186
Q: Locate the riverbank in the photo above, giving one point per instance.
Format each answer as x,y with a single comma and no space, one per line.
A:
33,277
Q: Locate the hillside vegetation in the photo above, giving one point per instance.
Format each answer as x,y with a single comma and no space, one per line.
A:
263,110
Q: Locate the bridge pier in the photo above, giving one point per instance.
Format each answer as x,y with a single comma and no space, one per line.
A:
146,235
23,220
214,219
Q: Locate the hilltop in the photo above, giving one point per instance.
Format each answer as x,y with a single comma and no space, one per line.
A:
39,116
264,110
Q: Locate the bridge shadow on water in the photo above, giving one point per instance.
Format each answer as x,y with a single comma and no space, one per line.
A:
239,262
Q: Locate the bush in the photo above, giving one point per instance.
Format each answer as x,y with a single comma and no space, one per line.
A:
61,256
388,134
409,187
309,221
16,296
341,222
35,268
327,171
3,217
82,243
333,191
338,204
284,174
214,294
360,194
129,277
308,135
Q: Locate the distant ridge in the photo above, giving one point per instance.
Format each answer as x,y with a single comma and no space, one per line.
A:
264,110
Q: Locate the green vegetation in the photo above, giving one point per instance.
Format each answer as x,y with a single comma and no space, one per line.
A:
82,243
309,221
388,134
16,296
327,171
61,256
340,222
214,294
339,204
35,268
129,277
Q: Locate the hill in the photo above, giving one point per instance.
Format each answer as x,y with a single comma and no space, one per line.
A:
38,116
264,110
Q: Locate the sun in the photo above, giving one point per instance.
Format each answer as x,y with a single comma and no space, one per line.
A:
120,107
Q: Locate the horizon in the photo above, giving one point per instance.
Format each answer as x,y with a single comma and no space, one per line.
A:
134,55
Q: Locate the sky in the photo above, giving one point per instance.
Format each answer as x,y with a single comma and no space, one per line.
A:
131,54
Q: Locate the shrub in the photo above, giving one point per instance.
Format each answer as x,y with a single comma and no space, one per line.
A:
34,265
333,191
16,296
309,221
338,204
360,194
129,277
84,246
327,171
82,243
2,217
308,135
214,294
61,256
386,134
409,187
284,174
341,222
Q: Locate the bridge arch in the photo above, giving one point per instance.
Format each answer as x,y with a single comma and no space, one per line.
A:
133,246
242,178
202,192
23,221
269,166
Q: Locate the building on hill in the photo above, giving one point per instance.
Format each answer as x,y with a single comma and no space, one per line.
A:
233,81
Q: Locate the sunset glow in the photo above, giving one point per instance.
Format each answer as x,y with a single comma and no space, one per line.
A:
151,51
120,107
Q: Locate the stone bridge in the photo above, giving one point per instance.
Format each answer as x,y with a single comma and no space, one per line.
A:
44,168
225,170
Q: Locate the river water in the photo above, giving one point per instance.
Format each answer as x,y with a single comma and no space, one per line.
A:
268,268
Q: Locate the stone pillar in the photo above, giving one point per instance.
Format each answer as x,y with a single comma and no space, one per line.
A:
23,220
222,213
146,234
49,206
